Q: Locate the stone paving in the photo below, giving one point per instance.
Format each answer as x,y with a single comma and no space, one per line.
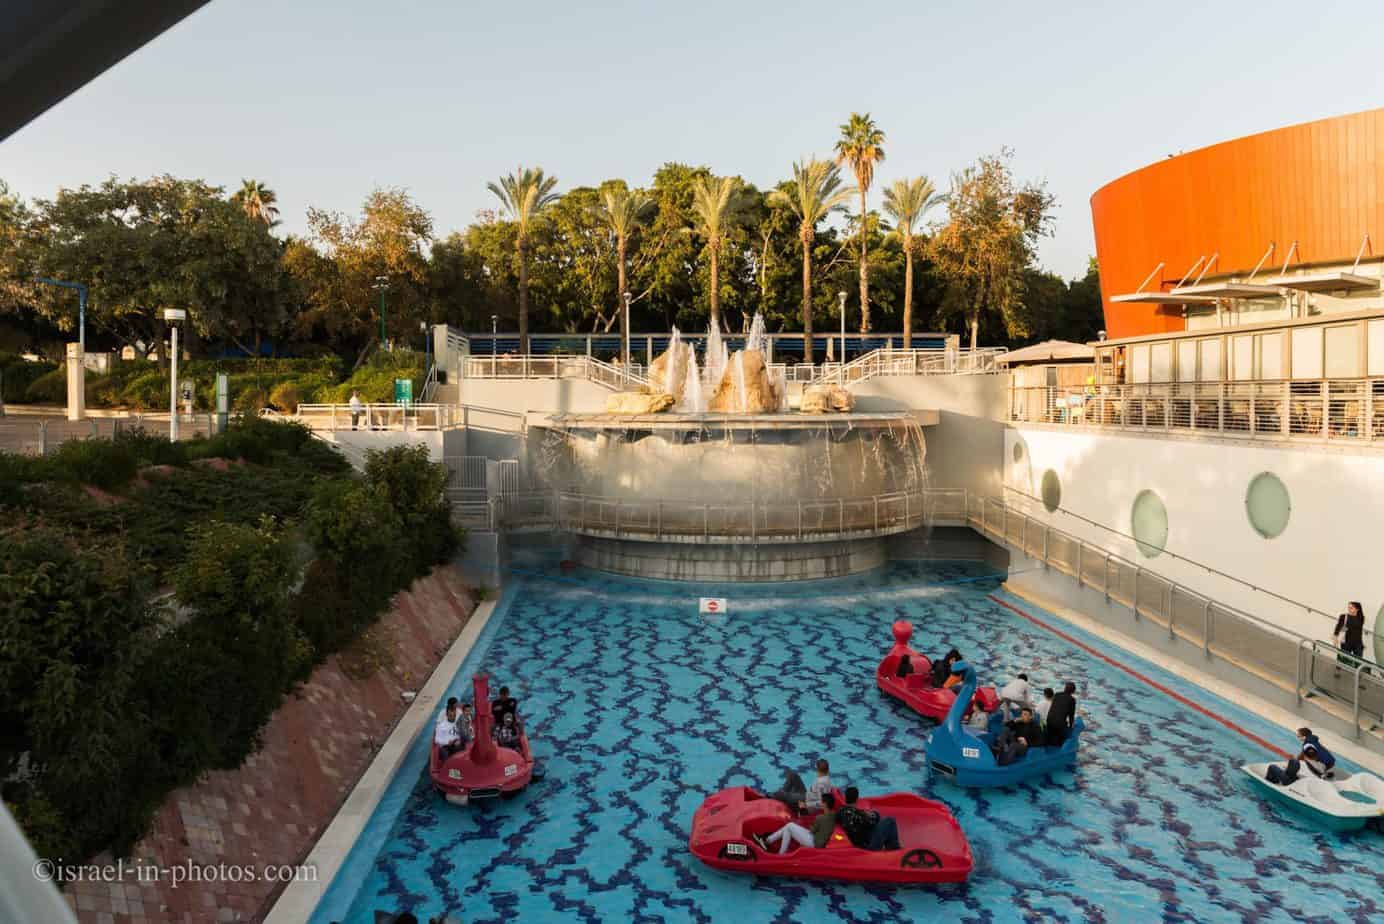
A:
270,811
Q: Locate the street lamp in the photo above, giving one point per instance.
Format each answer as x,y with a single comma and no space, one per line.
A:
841,297
625,338
427,345
173,316
81,305
494,334
382,283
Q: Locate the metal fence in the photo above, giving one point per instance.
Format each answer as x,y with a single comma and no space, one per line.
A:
31,435
888,362
644,347
1271,652
402,417
554,367
1321,410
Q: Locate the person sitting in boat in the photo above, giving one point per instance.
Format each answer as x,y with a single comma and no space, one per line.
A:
1013,742
954,678
502,704
867,829
905,666
1014,696
1061,715
445,734
819,835
466,723
507,732
941,668
793,792
813,801
1314,756
979,720
1044,704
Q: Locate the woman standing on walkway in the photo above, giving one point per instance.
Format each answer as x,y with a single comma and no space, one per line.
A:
1350,634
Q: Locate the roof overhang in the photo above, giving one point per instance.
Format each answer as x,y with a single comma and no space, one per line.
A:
1160,298
1230,290
1337,281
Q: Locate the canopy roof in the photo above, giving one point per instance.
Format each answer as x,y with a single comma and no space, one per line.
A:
1229,290
1160,298
1049,351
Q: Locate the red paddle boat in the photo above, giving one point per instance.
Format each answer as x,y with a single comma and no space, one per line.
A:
932,845
916,690
483,769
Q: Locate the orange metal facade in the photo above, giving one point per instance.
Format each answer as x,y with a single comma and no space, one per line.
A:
1320,184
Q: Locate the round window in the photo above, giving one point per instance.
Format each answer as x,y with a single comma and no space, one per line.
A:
1018,451
1149,523
1268,505
1052,491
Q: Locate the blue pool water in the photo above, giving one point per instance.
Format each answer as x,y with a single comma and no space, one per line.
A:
642,707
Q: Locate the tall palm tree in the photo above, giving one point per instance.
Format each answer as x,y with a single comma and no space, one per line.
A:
716,205
907,201
861,146
258,201
525,193
624,210
814,193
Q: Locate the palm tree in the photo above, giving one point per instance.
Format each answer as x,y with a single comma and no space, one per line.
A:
716,203
907,201
861,146
814,193
258,201
624,210
525,193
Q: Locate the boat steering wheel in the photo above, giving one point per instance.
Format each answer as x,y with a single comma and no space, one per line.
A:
921,858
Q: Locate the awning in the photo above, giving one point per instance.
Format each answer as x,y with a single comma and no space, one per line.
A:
1048,351
1335,281
1230,290
1159,298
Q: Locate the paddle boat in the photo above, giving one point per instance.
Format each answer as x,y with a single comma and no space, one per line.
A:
1344,803
932,845
916,690
962,755
483,769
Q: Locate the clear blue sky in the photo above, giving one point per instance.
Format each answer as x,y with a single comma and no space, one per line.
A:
325,100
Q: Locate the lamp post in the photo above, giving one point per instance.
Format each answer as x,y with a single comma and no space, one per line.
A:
625,338
382,283
173,316
841,298
427,345
494,334
81,305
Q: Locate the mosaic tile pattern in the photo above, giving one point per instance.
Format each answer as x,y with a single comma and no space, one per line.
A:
642,707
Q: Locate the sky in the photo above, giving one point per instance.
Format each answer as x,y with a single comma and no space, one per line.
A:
324,100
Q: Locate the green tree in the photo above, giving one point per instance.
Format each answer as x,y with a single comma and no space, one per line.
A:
861,146
907,201
716,206
624,212
524,195
988,242
258,201
814,193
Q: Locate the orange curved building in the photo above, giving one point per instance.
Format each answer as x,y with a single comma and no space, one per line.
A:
1319,185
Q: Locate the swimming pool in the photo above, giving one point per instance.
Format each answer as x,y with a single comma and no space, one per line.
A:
642,707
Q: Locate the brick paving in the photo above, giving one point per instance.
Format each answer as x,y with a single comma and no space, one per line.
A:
271,810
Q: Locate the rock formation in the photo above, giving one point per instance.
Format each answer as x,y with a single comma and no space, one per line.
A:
825,399
746,387
668,372
639,402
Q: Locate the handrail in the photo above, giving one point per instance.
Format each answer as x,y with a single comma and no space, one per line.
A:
375,416
883,362
529,366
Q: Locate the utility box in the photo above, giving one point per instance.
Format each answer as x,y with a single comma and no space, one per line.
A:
76,382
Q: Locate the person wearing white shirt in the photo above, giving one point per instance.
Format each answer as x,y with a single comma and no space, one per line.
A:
445,734
1015,693
356,409
1044,705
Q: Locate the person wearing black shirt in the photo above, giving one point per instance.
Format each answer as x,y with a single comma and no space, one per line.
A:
1018,736
941,668
1350,633
866,829
905,667
502,704
794,790
1061,715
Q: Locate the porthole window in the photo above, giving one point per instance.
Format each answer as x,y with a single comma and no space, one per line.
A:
1268,505
1149,523
1052,491
1018,451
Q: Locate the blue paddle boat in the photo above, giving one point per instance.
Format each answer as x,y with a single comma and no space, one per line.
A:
963,756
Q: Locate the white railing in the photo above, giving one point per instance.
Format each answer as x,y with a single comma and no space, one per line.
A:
554,367
402,417
1319,410
912,362
1256,645
31,435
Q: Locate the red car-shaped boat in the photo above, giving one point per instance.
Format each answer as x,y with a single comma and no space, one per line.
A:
916,690
932,845
483,769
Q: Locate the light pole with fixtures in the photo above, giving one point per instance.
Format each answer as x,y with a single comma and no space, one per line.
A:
625,338
382,283
841,298
494,334
81,305
173,316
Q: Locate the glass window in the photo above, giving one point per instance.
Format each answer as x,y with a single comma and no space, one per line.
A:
1376,347
1242,357
1343,351
1149,523
1307,353
1161,362
1270,356
1139,364
1268,505
1210,361
1186,360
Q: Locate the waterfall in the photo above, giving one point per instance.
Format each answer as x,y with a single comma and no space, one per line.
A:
741,391
758,339
692,401
670,370
716,359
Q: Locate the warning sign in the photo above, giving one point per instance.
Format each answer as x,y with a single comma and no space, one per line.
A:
713,605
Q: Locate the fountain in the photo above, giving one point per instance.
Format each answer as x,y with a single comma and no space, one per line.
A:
731,485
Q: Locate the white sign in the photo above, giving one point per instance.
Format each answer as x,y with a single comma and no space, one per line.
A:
712,605
970,752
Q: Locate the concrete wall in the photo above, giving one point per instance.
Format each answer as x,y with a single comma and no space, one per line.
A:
965,448
1327,555
364,440
806,561
553,396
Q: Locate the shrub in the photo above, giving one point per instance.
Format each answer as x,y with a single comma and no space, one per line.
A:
250,401
416,488
152,448
285,397
106,464
147,390
16,375
49,388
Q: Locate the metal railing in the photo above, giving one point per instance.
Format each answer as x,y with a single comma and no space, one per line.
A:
403,417
1258,646
1319,410
677,520
28,435
429,385
554,367
646,346
912,362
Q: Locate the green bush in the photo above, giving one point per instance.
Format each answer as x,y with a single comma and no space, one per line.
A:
375,379
416,488
107,464
285,397
49,388
16,375
152,448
